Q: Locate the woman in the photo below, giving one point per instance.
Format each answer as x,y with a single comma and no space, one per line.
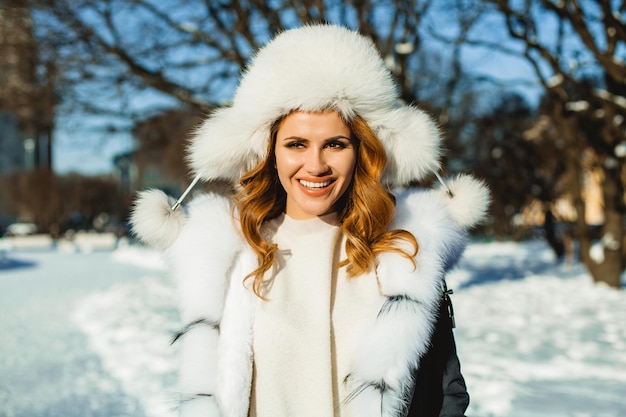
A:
314,291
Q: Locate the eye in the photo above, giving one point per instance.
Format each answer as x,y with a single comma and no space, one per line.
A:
337,144
294,145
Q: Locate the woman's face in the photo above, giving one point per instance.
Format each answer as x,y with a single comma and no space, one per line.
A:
315,160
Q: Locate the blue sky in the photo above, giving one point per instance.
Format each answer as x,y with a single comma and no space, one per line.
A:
89,152
92,153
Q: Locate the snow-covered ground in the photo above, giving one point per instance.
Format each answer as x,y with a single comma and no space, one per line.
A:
538,338
535,337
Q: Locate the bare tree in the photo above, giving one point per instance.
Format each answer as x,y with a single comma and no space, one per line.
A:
576,51
516,154
135,60
156,54
162,142
127,61
131,59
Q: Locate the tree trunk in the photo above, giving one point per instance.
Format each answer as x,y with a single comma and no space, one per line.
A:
555,241
574,173
610,269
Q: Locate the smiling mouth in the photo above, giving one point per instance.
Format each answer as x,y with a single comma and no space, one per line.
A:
315,185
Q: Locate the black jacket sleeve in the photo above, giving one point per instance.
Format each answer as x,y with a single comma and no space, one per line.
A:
440,389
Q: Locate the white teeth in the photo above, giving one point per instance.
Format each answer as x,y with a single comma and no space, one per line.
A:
309,184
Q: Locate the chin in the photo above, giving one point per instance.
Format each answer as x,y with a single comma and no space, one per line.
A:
310,212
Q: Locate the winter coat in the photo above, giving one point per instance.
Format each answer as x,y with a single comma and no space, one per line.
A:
405,366
406,361
440,389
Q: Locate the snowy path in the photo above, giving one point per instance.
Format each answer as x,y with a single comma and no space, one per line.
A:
88,335
48,366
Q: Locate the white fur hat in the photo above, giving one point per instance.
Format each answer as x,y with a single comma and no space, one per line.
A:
313,68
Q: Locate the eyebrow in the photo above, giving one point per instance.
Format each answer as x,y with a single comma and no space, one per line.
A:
330,139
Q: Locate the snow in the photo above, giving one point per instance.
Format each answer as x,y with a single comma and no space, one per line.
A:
536,337
120,322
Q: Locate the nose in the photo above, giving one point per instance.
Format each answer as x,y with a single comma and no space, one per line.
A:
316,163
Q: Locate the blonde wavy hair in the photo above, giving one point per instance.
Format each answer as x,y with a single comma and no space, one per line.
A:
365,210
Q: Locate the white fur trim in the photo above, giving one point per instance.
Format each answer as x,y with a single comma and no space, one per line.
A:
424,214
201,259
389,353
398,337
234,368
199,407
197,363
153,220
313,68
367,404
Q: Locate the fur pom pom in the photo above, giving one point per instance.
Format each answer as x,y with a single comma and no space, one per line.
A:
153,220
470,200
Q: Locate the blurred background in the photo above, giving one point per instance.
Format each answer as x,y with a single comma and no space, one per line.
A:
98,98
97,101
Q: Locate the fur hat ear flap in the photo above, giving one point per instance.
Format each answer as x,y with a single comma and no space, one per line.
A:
412,145
469,200
227,145
153,220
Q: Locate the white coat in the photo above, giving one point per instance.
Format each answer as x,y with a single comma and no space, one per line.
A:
209,260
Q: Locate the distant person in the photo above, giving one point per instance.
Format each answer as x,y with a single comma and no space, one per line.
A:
314,290
55,235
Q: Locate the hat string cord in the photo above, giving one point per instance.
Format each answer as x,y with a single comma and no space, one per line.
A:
445,186
184,194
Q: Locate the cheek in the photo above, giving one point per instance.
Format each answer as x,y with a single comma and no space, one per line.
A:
348,167
286,163
284,168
